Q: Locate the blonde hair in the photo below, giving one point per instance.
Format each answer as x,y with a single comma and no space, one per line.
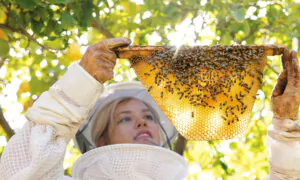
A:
104,118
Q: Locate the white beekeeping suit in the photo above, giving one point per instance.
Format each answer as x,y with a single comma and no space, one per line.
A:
37,151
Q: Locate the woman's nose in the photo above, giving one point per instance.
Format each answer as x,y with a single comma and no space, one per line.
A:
141,123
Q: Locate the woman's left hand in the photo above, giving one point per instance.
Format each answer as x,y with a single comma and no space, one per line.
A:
286,94
99,59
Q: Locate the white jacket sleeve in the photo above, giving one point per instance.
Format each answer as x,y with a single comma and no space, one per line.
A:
37,151
283,142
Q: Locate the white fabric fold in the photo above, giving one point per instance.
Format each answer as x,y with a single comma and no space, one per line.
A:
33,153
283,143
67,103
286,124
37,151
79,86
130,161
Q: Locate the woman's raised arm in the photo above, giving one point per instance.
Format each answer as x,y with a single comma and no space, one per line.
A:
37,151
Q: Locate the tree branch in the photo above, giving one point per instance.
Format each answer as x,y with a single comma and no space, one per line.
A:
2,60
10,132
218,158
180,144
102,29
22,30
30,37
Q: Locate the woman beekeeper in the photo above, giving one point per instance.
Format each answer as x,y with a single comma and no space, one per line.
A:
126,117
125,113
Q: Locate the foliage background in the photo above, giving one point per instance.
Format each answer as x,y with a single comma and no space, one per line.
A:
39,39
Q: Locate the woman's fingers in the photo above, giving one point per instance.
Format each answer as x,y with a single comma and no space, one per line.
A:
99,59
105,64
118,42
293,74
106,55
282,79
295,65
285,57
280,85
112,43
289,80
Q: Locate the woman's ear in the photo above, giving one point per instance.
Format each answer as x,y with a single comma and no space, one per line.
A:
101,141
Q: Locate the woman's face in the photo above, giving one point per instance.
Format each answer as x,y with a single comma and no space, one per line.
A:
133,122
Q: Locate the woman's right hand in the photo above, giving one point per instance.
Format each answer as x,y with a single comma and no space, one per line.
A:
286,94
99,59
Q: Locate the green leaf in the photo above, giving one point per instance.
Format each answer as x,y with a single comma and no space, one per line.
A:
64,60
27,4
236,27
37,84
50,56
52,26
42,13
23,43
83,12
57,43
132,8
37,26
238,14
233,145
4,48
246,28
58,1
226,39
38,59
67,21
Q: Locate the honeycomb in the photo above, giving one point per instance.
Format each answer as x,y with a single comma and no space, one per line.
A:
207,93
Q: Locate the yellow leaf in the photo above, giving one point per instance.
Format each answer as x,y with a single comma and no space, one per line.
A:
3,35
136,39
73,52
27,104
12,7
24,87
2,16
4,50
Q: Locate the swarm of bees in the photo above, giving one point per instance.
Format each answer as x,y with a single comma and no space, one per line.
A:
205,75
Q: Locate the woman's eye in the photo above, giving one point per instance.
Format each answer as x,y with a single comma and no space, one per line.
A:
149,117
125,119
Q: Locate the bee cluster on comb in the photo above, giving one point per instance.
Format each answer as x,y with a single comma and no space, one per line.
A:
214,77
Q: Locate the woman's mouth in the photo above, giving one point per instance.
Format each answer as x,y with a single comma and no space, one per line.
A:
143,135
146,137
